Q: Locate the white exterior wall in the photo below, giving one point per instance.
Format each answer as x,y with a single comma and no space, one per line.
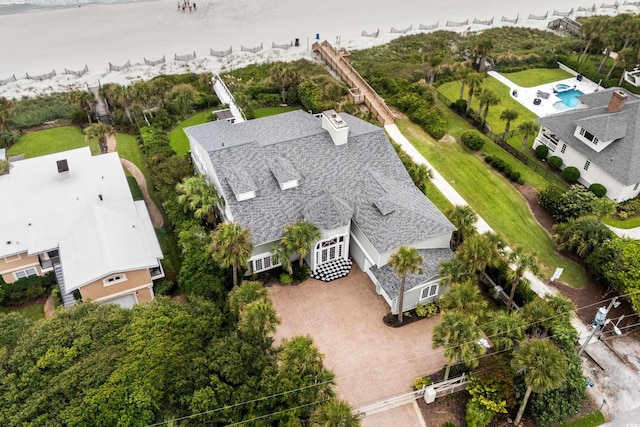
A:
203,164
412,296
329,234
366,245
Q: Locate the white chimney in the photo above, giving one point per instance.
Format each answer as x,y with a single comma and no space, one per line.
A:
337,128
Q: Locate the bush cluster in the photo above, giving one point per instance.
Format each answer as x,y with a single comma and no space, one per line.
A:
30,112
629,208
431,120
472,139
420,174
565,205
25,290
542,151
554,162
598,189
500,165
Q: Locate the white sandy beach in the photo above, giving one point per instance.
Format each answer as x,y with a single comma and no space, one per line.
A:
37,42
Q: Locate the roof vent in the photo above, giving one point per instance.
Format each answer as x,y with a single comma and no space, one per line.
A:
617,101
63,168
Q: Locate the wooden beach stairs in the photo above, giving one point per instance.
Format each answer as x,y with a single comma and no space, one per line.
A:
100,107
359,90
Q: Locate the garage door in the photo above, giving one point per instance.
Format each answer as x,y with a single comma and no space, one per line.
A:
127,301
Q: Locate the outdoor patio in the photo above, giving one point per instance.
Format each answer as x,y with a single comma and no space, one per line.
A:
371,360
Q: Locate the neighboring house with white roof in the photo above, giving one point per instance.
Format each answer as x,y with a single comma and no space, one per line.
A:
600,137
73,213
337,172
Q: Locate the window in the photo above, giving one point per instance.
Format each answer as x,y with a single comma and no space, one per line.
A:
588,136
429,291
564,147
27,272
113,279
586,165
12,258
265,263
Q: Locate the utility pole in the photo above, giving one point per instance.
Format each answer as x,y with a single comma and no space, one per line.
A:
600,323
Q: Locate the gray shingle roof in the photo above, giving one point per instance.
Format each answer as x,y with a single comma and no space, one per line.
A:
240,181
327,212
621,159
355,174
283,170
432,258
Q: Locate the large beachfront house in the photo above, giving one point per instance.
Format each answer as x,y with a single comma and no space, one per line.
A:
72,213
600,137
337,172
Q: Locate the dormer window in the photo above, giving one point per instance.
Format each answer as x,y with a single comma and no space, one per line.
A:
588,136
113,279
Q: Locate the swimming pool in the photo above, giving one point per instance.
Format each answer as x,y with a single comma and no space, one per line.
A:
568,99
561,87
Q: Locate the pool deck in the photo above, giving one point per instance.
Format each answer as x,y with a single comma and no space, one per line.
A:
526,95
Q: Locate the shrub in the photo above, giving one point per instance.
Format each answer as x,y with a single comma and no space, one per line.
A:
460,106
301,273
477,415
27,289
514,176
163,287
554,162
422,382
421,310
8,138
472,139
542,151
598,189
57,298
550,199
574,203
571,174
285,279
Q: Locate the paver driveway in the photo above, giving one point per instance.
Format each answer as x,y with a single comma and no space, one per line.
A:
371,360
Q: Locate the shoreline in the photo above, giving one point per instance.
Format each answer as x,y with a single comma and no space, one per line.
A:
97,34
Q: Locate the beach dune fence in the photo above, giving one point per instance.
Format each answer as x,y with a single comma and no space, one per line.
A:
564,14
80,73
284,46
512,21
251,49
119,67
221,53
587,9
429,27
156,62
486,22
187,57
42,76
9,80
610,6
405,31
539,17
373,34
457,24
631,3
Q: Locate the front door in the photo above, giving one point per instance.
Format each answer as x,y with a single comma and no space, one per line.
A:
329,250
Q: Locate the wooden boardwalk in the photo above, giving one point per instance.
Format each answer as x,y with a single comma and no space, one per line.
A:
359,89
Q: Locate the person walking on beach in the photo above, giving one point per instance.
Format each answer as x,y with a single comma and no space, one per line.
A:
178,6
194,6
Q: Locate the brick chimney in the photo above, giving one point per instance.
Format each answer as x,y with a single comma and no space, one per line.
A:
616,104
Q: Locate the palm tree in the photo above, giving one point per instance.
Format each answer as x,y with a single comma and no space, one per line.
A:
462,71
591,29
603,207
520,261
299,237
231,247
6,107
539,315
508,115
464,219
485,44
405,261
301,356
488,98
562,307
454,271
334,413
629,58
582,235
465,298
505,330
282,256
284,77
544,368
83,100
258,320
610,38
459,335
478,252
527,129
183,97
620,59
100,132
243,295
196,195
474,82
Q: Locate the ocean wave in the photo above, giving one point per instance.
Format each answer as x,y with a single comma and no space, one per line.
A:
58,3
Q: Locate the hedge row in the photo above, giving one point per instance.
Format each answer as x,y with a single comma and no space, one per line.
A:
500,165
25,290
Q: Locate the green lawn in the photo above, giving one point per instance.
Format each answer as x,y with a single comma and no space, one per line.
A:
437,198
34,312
51,141
134,188
494,199
537,76
128,148
272,111
178,139
452,91
590,420
626,224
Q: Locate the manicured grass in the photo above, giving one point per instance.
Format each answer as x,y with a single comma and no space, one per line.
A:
590,420
494,199
128,148
537,76
626,224
135,189
437,198
178,139
452,91
51,141
169,246
34,312
272,111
